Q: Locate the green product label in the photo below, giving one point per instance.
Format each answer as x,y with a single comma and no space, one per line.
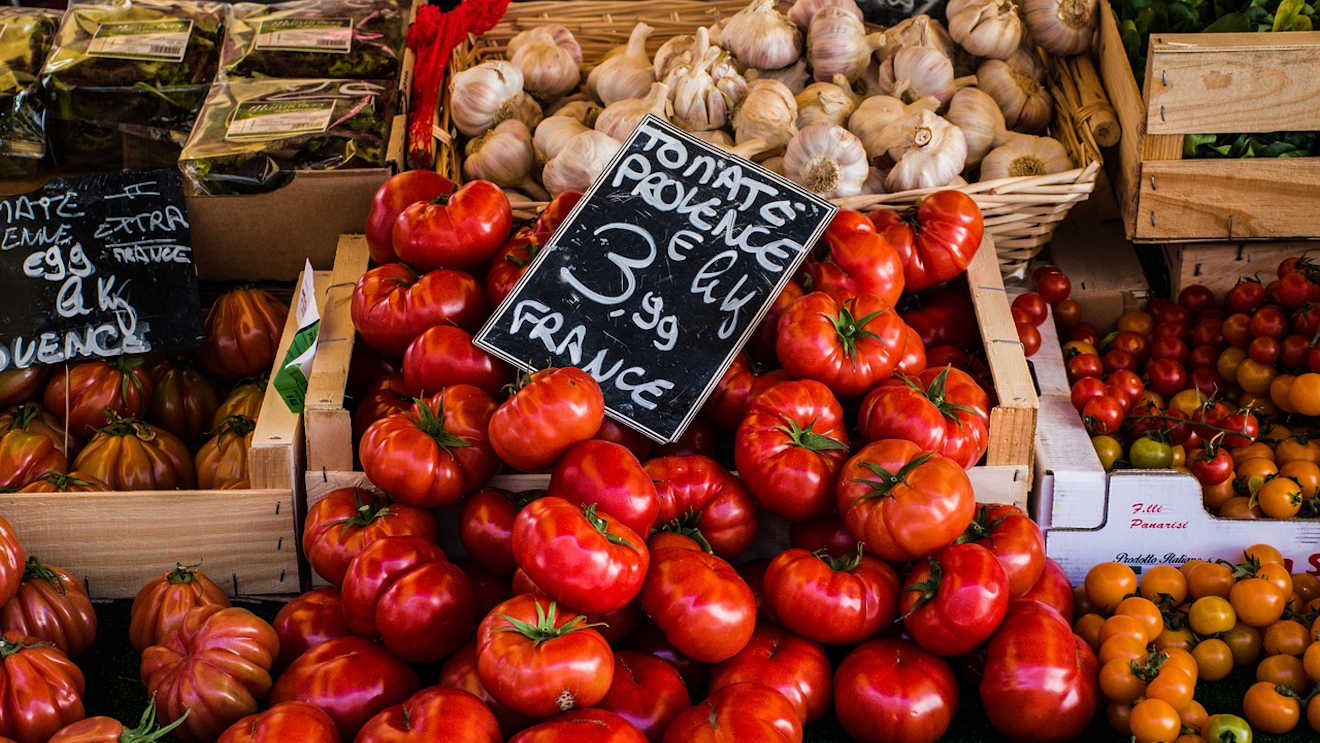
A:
291,380
146,40
259,121
330,35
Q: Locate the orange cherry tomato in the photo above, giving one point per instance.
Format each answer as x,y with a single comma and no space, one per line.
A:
1313,713
1122,624
1284,670
1136,321
1258,602
1182,659
1286,637
1239,507
1180,639
1263,554
1311,661
1211,614
1254,450
1145,611
1278,575
1255,377
1154,721
1119,683
1294,449
1208,579
1173,685
1119,717
1305,394
1194,715
1108,583
1306,586
1214,658
1280,498
1126,647
1215,496
1306,474
1267,710
1261,467
1281,392
1246,643
1087,627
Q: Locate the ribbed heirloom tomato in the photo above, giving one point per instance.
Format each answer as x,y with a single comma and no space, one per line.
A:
21,385
52,605
935,241
309,620
746,711
646,691
941,410
444,355
433,714
287,721
955,600
128,454
222,462
549,412
891,691
485,527
699,498
838,601
1015,541
797,668
243,330
857,261
343,523
88,390
348,678
700,603
588,725
728,402
161,604
183,401
24,457
458,230
392,304
42,689
850,344
393,196
608,475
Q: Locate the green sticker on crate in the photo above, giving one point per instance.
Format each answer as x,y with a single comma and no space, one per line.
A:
291,379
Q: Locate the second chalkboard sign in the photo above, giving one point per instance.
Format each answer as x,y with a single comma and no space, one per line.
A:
655,280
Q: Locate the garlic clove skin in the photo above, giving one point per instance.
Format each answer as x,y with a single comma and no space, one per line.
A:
916,72
761,37
621,117
585,112
549,58
504,157
986,28
1062,27
794,77
674,52
627,74
982,123
1026,104
803,10
580,162
875,181
482,96
706,91
1023,155
826,103
881,122
717,137
919,30
554,133
769,112
837,44
1025,60
827,160
932,154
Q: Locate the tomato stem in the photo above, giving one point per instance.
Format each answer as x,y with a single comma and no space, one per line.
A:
432,423
809,439
888,480
845,564
364,514
146,731
601,525
182,573
8,648
34,570
545,628
850,330
686,525
928,588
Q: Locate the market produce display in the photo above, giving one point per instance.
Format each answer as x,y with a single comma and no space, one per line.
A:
25,39
342,39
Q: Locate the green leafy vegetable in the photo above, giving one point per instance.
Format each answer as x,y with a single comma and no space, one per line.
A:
25,36
315,39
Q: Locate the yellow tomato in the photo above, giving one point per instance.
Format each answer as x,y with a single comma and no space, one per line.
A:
1228,361
1136,321
1260,405
1108,449
1280,389
1255,377
1187,401
1078,347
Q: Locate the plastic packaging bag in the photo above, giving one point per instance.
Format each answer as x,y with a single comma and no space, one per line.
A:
345,39
25,38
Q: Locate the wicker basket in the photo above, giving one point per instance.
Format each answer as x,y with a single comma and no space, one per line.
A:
1021,212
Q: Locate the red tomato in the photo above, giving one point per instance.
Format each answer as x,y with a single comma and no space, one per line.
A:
945,317
699,601
161,604
1084,332
904,503
582,726
109,730
1117,358
394,195
1086,388
1102,415
891,691
340,525
486,528
460,672
487,589
51,605
797,668
1269,320
826,533
25,457
727,403
1030,309
837,601
1207,381
1167,377
1169,347
183,401
789,447
432,714
651,640
551,411
935,241
699,438
1211,468
699,498
437,452
1067,314
88,391
609,476
1015,541
387,395
646,691
403,590
307,621
585,560
1196,297
1264,349
913,358
1202,357
1085,365
739,712
1293,350
1245,296
290,721
1292,290
539,662
11,561
217,665
613,626
942,410
1235,330
762,343
848,344
632,440
1054,286
44,689
857,261
512,260
1207,332
349,678
458,230
1040,680
1306,320
20,385
955,600
392,305
243,330
1053,590
443,356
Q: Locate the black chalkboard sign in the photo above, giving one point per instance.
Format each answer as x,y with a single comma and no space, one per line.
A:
94,267
659,275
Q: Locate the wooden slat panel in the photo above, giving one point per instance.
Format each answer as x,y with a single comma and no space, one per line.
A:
329,423
1213,83
1121,86
1219,265
1194,199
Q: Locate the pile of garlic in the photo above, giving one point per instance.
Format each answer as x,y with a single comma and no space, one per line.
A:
812,94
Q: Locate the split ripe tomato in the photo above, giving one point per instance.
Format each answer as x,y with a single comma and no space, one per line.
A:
955,600
797,668
589,725
838,601
538,662
858,261
161,605
646,691
551,411
403,590
608,475
343,523
394,195
309,620
935,241
44,689
789,448
88,390
432,714
392,304
904,503
458,230
891,691
444,355
1015,541
747,711
850,344
699,601
699,498
348,678
51,605
243,331
436,453
485,527
585,560
941,410
217,665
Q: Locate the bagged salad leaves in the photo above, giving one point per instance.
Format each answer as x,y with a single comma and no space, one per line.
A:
127,77
25,37
253,133
359,39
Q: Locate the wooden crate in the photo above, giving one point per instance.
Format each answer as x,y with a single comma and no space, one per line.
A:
1005,478
244,540
1220,265
1212,84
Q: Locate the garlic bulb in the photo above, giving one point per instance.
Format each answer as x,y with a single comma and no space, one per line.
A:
978,116
919,30
1025,60
837,44
717,137
1025,155
803,10
626,73
880,122
826,103
931,156
795,76
761,37
769,112
986,28
621,117
553,133
481,97
1063,27
579,163
774,164
549,59
706,90
504,157
674,52
875,180
584,111
827,159
915,72
1025,103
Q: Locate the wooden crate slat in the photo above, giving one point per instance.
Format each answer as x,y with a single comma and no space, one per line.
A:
1219,265
328,421
1264,197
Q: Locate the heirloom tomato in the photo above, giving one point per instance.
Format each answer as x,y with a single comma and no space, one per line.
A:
20,385
183,401
589,725
1053,590
826,534
901,502
460,672
651,640
608,475
797,668
913,358
84,394
433,714
945,317
955,600
394,195
728,402
387,395
747,711
245,399
510,263
701,499
222,462
646,691
51,481
584,559
110,730
349,679
935,241
243,331
392,304
32,418
309,620
849,344
1015,541
550,411
837,601
538,662
941,410
345,521
458,230
789,447
161,604
43,689
436,453
891,691
129,454
284,723
444,355
485,528
487,589
51,605
762,343
24,457
699,601
632,440
215,668
857,261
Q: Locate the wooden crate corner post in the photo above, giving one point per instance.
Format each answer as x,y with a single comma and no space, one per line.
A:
329,424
